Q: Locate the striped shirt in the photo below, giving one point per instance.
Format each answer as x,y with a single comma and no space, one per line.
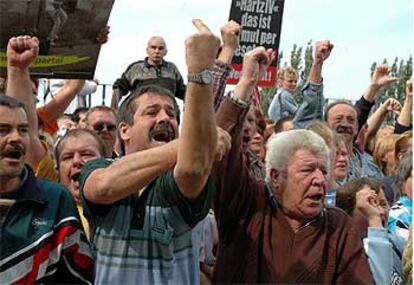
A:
151,239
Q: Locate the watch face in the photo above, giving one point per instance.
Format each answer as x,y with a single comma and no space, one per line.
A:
206,77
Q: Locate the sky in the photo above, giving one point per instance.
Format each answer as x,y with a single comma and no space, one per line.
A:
362,31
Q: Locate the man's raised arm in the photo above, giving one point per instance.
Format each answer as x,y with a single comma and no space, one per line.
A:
313,99
21,52
198,138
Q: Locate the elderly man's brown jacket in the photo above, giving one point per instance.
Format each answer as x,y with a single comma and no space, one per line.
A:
257,245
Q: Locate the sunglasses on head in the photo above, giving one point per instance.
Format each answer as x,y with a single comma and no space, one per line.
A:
100,126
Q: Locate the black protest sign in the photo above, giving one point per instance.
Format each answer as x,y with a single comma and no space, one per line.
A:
261,22
67,30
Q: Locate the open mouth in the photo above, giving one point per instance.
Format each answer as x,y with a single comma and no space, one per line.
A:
246,139
162,133
13,153
75,177
315,197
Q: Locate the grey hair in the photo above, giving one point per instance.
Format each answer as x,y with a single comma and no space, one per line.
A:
283,145
403,172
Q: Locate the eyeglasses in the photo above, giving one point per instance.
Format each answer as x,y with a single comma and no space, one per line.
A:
100,126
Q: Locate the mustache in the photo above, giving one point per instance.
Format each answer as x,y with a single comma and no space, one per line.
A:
341,129
162,128
13,150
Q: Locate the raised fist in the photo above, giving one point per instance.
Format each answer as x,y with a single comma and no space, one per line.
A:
230,34
322,50
255,63
22,51
201,48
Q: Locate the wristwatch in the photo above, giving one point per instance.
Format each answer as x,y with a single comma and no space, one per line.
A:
238,101
204,77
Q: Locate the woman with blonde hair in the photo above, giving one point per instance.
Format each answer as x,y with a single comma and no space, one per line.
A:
384,153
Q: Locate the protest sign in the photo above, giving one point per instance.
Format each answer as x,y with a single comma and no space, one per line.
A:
261,22
67,30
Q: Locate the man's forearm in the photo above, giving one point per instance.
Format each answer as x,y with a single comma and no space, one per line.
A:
371,92
197,142
57,106
244,89
374,123
315,74
116,97
129,174
405,116
19,87
226,54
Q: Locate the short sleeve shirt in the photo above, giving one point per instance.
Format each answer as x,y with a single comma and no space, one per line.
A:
153,238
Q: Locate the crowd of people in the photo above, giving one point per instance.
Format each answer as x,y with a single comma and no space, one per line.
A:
135,193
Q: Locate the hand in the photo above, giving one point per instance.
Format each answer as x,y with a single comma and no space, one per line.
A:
392,105
367,204
230,34
223,144
103,35
382,76
255,64
22,51
322,50
409,89
201,48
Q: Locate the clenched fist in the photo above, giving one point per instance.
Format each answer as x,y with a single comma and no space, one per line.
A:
322,50
22,51
255,64
230,34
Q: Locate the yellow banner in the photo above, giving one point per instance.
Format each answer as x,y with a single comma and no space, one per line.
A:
48,60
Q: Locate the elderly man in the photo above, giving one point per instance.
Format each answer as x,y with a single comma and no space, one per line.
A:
153,70
145,205
280,232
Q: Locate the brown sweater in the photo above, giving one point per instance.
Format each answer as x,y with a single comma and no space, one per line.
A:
257,245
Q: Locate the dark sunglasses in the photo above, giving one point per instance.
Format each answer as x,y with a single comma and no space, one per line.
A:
100,126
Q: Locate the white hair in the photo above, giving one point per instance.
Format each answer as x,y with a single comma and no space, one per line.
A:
282,146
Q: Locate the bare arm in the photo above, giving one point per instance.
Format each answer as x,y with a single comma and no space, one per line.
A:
405,115
129,174
116,97
375,120
230,34
57,106
198,138
21,52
